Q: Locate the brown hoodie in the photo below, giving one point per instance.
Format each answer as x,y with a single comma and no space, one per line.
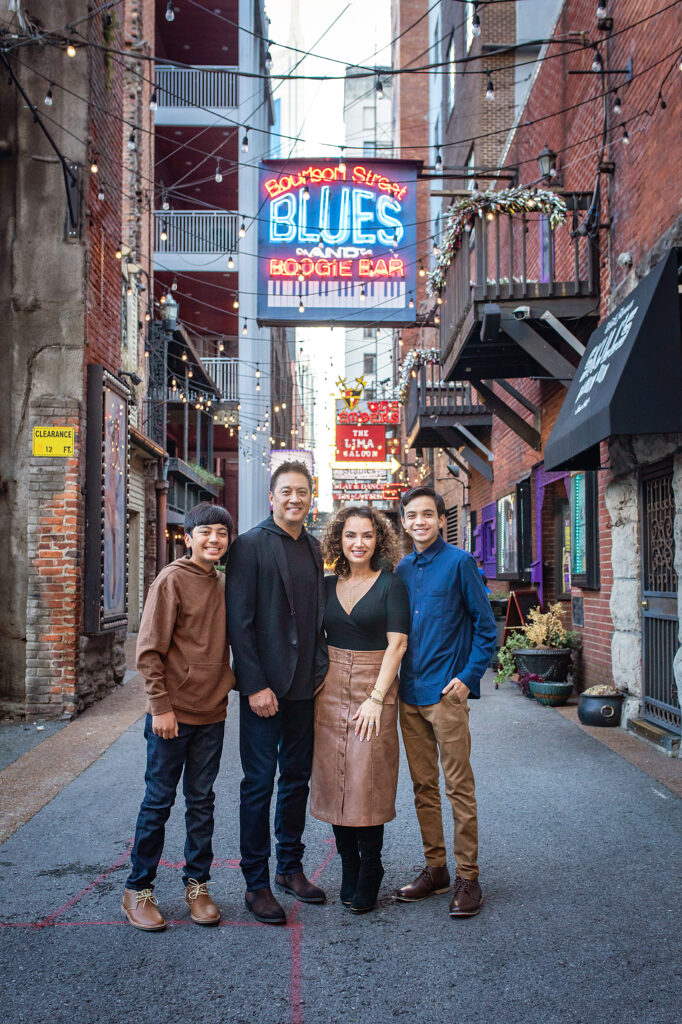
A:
182,649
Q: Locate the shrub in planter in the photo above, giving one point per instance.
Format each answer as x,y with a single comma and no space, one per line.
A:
540,648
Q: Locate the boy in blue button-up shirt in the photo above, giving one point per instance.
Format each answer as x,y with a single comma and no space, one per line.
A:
451,641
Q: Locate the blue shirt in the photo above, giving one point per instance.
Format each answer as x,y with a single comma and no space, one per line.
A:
453,631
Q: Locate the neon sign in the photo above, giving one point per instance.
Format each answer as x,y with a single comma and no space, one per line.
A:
337,244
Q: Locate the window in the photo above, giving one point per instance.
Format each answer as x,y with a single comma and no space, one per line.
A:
369,147
470,11
488,540
470,181
368,119
469,541
584,513
513,542
369,363
452,68
562,549
369,332
452,525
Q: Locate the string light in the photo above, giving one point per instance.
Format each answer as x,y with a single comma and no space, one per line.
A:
162,302
411,302
132,145
597,63
362,294
94,167
268,60
436,319
170,13
153,101
617,105
100,193
230,262
661,101
119,253
342,163
71,50
301,307
475,25
245,141
165,205
48,97
164,232
218,173
422,272
306,192
235,303
221,347
626,138
242,229
490,90
174,284
244,328
601,11
439,161
379,89
147,316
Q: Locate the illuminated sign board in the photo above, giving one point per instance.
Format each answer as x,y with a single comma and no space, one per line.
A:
337,242
360,443
387,412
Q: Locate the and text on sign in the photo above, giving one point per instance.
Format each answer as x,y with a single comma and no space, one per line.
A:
54,442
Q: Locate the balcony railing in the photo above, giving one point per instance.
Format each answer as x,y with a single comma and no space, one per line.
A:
195,95
430,396
194,238
225,372
519,259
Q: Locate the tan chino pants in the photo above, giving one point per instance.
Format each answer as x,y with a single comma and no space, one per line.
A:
429,730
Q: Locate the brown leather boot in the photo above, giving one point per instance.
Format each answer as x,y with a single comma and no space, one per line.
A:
298,885
142,911
467,899
428,882
202,909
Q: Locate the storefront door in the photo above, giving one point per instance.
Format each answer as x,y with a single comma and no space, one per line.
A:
660,623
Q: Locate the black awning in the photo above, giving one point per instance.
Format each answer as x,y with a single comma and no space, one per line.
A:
630,379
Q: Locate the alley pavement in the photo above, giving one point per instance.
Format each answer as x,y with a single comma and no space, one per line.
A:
580,922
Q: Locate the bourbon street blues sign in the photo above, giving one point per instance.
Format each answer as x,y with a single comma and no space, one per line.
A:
337,242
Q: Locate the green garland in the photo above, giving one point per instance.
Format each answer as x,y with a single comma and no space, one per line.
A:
463,213
414,358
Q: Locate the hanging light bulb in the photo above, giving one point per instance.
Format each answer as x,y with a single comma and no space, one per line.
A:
48,97
362,294
71,50
617,105
257,372
301,277
164,233
306,192
411,302
436,319
147,316
342,164
379,89
132,145
100,194
184,357
490,90
221,346
244,328
601,11
170,13
235,303
301,307
165,205
218,173
94,166
242,229
439,299
245,141
153,101
230,262
626,138
268,60
475,25
597,62
162,302
119,253
422,272
129,290
439,161
435,248
190,373
174,284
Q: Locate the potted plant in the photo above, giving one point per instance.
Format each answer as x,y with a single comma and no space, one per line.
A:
541,649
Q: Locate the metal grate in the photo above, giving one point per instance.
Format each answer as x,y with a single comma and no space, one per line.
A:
659,553
212,87
659,700
452,525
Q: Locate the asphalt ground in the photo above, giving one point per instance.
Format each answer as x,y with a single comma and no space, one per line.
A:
579,867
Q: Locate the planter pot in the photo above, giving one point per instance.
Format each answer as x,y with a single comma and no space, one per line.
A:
548,662
550,693
595,710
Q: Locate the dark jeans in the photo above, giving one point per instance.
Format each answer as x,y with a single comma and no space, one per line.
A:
284,740
197,749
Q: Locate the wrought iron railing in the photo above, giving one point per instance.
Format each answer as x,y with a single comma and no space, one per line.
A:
213,87
429,395
196,231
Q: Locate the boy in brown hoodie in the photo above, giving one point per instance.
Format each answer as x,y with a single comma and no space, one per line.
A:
184,657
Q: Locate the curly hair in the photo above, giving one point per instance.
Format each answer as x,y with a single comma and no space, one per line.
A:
386,553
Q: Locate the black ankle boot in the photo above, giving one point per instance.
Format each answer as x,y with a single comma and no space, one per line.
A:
371,869
347,846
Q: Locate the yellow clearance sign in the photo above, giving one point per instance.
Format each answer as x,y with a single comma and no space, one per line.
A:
53,442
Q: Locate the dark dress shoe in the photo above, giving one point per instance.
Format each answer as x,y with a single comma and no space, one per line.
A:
428,882
367,889
265,907
467,899
298,885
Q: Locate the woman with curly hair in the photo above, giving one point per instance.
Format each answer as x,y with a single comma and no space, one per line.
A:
355,756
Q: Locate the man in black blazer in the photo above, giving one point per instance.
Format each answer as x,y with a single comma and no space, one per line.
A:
275,606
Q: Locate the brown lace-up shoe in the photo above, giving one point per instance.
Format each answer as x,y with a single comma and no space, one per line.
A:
142,911
298,885
428,882
201,907
467,899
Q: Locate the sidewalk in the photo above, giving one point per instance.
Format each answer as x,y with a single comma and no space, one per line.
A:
580,921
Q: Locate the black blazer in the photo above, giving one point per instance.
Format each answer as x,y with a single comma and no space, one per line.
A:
261,624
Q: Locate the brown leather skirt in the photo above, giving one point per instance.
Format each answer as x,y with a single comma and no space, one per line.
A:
353,782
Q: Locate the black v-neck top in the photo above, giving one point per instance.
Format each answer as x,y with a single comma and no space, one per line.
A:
384,608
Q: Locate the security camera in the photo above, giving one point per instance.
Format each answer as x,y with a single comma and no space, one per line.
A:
521,313
625,259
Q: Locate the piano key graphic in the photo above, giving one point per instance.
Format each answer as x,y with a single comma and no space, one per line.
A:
337,294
